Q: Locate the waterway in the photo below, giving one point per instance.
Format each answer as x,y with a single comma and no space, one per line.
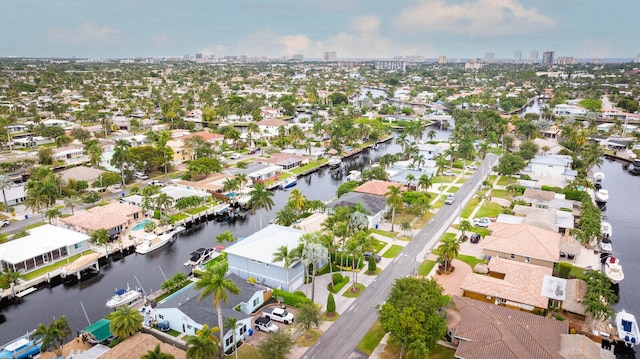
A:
150,270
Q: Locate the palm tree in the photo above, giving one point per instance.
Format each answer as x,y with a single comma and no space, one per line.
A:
232,323
431,135
226,236
312,252
125,321
410,178
204,345
359,243
464,227
121,156
55,335
241,178
448,250
53,214
156,354
213,282
283,254
394,199
5,182
425,182
163,201
260,199
297,199
71,202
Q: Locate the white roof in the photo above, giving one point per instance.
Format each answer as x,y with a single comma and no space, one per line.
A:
40,240
178,193
554,287
261,245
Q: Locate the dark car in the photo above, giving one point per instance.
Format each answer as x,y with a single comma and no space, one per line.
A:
368,255
475,238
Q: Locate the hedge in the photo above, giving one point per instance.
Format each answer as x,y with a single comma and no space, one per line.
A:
292,299
336,288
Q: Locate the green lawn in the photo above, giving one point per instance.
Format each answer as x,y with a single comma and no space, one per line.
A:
481,231
489,209
34,225
426,267
371,340
178,216
473,203
448,235
577,272
470,260
196,210
393,251
453,189
247,351
378,245
350,294
56,265
501,193
308,166
383,233
505,181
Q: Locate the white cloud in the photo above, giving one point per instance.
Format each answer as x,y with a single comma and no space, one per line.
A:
86,33
215,49
476,18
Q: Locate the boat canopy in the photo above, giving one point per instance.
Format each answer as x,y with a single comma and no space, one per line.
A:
121,291
100,329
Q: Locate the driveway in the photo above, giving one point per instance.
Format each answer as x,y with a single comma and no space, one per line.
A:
451,282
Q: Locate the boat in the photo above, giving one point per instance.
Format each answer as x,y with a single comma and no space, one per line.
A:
22,347
353,175
602,196
606,229
289,182
122,297
613,270
606,245
200,256
627,328
598,177
152,242
335,161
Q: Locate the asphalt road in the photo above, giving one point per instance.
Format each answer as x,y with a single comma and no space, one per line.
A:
342,337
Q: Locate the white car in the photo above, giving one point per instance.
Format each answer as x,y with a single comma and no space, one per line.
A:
141,176
448,173
472,167
235,156
481,222
449,199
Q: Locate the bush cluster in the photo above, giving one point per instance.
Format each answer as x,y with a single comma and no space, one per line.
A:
292,299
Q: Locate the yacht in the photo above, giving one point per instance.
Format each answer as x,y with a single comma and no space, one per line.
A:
152,242
598,177
200,256
289,182
602,196
606,246
335,161
606,229
627,328
613,270
353,175
122,297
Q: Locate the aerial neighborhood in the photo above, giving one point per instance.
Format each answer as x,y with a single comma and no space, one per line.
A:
315,209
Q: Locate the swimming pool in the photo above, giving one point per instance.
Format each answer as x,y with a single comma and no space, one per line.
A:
140,225
348,148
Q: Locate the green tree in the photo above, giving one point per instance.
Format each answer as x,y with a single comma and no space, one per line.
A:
121,157
213,282
226,236
52,215
5,183
45,156
204,345
308,316
72,202
232,323
156,354
331,304
287,257
464,227
598,295
55,335
372,265
125,321
448,250
510,164
277,345
425,182
297,199
394,200
260,199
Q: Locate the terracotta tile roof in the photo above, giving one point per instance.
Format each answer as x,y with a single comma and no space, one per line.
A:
522,282
207,136
379,188
524,240
272,122
538,194
491,331
99,217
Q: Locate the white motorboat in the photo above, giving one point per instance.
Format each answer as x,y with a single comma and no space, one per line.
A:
613,270
289,182
335,161
602,196
627,328
200,256
606,245
122,297
152,242
598,177
606,229
353,175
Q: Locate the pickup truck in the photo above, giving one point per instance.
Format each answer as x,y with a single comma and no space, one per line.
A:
265,325
278,314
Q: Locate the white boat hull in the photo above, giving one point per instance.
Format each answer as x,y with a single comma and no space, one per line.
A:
614,272
627,328
126,298
602,196
150,244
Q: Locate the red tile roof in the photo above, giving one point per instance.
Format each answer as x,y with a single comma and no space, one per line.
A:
379,188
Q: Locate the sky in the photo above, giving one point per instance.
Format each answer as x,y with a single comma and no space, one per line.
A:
352,28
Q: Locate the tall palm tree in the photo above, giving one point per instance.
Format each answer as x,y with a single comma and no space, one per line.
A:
297,199
5,183
55,335
52,214
360,242
204,345
394,199
125,321
312,252
213,282
226,236
241,178
156,354
163,201
260,199
448,250
232,323
71,202
121,156
283,254
424,182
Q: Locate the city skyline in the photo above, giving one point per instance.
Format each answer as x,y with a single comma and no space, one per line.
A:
352,28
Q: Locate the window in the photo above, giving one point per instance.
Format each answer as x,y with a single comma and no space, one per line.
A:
256,302
160,316
77,246
513,256
243,329
188,326
228,341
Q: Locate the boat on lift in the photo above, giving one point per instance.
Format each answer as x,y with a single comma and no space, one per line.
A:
627,328
606,229
598,177
22,347
200,256
335,161
613,270
602,196
353,175
123,296
289,182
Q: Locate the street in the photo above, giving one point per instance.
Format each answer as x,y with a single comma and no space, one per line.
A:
342,337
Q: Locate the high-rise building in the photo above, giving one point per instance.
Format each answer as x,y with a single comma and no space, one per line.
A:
392,65
297,57
442,59
533,58
517,57
330,56
198,56
547,58
489,57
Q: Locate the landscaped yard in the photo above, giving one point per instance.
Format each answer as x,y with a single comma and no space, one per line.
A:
489,209
56,265
308,166
349,293
371,340
473,203
426,267
308,338
34,225
501,193
247,351
378,245
178,216
470,260
453,189
383,233
196,210
393,251
505,181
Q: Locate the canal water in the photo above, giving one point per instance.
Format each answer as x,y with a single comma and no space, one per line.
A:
150,270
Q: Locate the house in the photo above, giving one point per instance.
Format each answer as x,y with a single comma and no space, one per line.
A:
548,147
551,169
253,257
509,283
285,160
431,151
485,330
374,204
270,128
70,155
180,152
568,110
81,173
114,217
187,314
523,243
15,193
552,219
214,139
258,172
44,245
378,188
176,193
544,199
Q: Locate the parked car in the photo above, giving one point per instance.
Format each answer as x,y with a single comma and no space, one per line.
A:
481,222
254,151
235,156
4,222
156,183
141,176
448,173
475,238
368,255
449,199
472,167
278,314
266,325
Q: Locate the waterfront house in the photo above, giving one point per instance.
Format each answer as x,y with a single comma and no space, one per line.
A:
375,205
554,170
174,192
551,219
431,151
70,155
212,183
270,128
485,330
42,246
81,173
187,314
114,217
568,110
253,257
509,283
285,160
257,172
522,243
378,188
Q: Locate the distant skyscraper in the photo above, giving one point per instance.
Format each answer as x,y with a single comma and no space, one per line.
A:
533,58
198,56
489,57
517,57
330,56
442,59
391,65
298,57
547,58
